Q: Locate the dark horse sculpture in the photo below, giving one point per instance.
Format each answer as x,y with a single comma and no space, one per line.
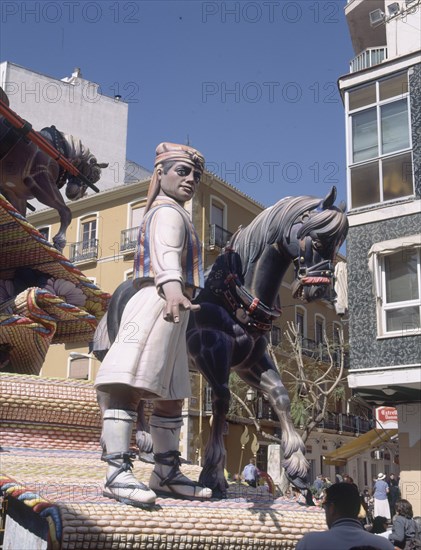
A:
27,172
238,305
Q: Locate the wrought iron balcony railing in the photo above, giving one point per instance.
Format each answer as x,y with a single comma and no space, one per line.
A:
218,236
84,250
128,239
318,351
368,58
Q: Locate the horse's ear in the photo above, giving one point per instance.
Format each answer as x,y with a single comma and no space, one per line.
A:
342,206
329,200
102,164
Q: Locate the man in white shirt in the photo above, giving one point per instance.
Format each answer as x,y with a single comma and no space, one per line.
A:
341,505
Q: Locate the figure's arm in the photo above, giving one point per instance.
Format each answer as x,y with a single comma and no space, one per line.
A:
168,234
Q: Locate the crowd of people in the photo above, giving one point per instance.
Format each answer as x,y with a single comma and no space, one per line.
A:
360,520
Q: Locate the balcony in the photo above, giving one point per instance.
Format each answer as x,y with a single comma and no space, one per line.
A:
84,251
218,236
128,239
368,58
318,352
350,423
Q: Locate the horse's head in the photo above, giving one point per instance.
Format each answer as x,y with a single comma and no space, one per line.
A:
312,242
77,188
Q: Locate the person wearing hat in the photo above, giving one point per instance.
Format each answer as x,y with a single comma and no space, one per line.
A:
148,359
381,503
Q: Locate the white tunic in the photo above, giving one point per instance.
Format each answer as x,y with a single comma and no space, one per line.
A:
150,353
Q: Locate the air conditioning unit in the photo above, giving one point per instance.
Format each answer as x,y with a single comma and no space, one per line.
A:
377,17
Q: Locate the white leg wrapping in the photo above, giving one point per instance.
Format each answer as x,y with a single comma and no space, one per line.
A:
166,478
120,483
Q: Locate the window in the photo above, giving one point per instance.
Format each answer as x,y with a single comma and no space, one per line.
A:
275,335
379,155
88,230
86,249
300,321
397,272
129,236
45,232
136,214
401,291
319,329
79,368
219,236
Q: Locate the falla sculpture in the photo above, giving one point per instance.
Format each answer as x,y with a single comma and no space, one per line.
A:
227,328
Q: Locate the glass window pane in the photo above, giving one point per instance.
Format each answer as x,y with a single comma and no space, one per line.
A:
365,185
401,276
137,216
397,177
360,97
394,126
395,86
217,215
403,319
364,135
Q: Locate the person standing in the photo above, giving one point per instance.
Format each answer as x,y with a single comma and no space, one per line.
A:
380,492
341,506
148,359
394,493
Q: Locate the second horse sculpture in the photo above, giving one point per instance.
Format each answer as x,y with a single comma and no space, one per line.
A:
238,305
27,172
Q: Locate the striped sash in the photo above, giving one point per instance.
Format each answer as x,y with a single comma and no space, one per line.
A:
191,261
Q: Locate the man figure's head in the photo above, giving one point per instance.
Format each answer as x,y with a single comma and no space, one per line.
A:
178,169
342,500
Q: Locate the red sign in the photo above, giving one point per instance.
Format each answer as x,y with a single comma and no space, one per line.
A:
387,417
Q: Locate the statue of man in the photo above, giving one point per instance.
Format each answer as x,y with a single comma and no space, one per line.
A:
148,359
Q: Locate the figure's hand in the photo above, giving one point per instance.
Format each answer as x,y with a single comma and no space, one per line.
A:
175,301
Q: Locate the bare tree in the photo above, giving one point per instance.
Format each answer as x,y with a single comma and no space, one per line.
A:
312,384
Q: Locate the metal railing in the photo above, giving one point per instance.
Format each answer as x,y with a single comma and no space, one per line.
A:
318,351
368,58
341,422
218,236
128,238
84,250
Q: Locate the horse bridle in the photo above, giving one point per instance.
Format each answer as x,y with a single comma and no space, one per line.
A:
60,144
244,307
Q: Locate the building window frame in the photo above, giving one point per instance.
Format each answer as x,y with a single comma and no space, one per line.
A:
45,231
379,164
301,313
218,232
384,257
319,324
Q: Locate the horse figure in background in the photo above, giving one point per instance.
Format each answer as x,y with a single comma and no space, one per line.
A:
27,172
239,303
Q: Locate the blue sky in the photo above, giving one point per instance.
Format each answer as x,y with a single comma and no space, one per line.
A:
252,85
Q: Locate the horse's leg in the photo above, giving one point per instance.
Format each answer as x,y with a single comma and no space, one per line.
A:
211,351
264,376
43,187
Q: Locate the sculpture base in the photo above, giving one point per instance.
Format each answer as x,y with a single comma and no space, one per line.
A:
55,497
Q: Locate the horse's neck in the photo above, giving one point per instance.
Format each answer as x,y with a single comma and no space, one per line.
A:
263,278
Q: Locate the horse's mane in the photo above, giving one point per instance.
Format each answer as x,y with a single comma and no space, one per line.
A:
276,221
82,158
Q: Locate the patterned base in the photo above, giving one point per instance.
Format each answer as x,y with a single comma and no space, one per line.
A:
67,487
